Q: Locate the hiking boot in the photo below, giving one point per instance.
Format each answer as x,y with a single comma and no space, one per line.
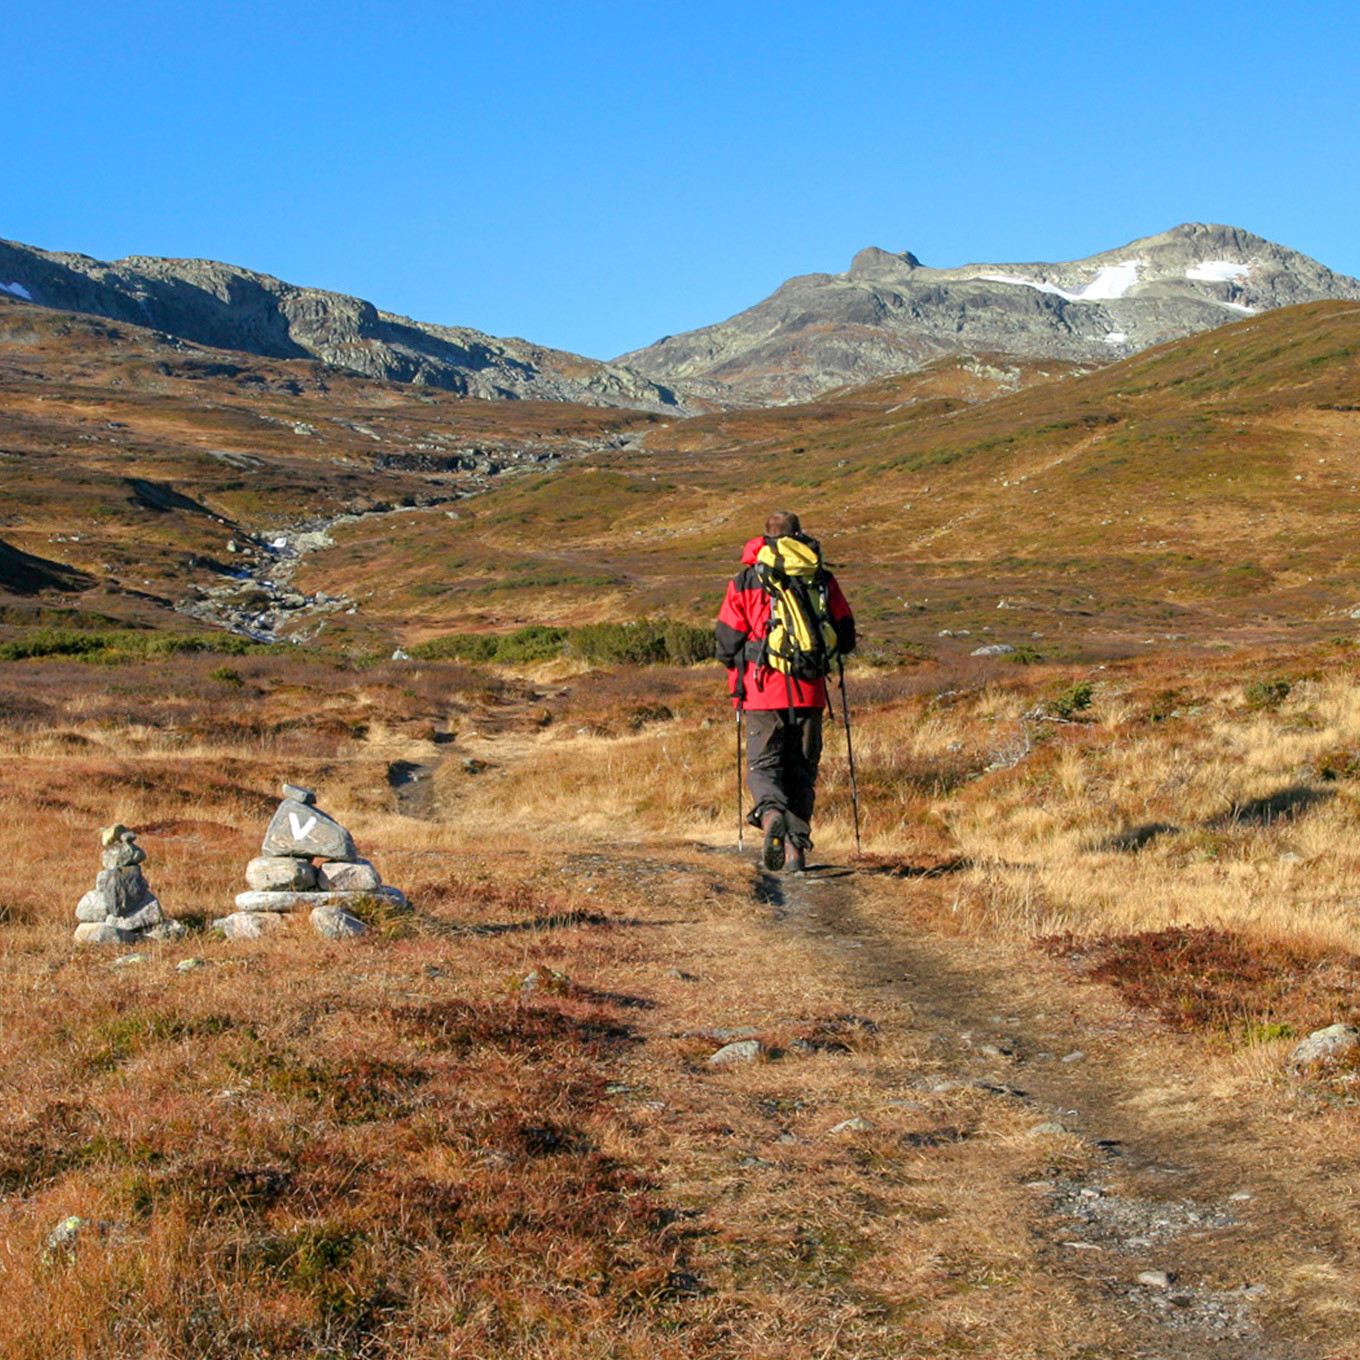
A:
795,861
775,830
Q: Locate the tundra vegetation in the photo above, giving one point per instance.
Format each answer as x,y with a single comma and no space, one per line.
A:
491,1127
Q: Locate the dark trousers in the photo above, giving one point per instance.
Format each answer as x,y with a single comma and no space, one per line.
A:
782,755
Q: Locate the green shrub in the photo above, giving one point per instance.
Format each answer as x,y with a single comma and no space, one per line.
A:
122,644
635,644
1267,693
645,642
687,645
534,643
1075,699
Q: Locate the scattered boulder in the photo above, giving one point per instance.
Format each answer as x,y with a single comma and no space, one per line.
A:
335,923
1156,1279
858,1124
249,925
1325,1048
121,908
993,649
741,1051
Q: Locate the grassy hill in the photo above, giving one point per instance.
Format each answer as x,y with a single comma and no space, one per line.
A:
1197,492
1203,490
130,461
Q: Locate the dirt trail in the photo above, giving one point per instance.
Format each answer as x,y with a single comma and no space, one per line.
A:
1169,1194
1196,1191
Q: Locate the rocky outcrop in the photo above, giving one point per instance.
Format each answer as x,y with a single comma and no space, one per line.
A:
221,305
890,313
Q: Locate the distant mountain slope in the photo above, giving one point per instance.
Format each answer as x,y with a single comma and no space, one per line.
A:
232,308
890,313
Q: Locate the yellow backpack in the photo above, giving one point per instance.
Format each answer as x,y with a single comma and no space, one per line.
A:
801,640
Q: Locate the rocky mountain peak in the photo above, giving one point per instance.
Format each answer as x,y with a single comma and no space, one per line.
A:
891,314
872,260
228,307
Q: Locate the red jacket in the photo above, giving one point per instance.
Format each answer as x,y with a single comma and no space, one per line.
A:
745,616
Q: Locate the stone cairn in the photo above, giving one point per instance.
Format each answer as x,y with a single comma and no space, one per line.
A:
121,908
286,878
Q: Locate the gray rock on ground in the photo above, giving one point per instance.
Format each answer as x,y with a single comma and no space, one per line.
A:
280,873
249,925
1325,1048
303,830
347,876
742,1051
335,923
305,901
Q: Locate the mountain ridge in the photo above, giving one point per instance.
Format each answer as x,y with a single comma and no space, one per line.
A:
227,306
890,313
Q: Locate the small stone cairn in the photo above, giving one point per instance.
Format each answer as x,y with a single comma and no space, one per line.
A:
121,908
285,878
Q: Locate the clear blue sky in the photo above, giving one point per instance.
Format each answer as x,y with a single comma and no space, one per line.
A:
595,175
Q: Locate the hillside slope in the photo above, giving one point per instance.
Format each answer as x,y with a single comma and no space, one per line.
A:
890,313
141,475
226,307
1204,490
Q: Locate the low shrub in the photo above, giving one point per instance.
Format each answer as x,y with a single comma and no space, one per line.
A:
124,644
1267,693
1074,699
645,642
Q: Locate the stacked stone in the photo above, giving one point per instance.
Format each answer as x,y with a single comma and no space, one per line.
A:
307,863
121,908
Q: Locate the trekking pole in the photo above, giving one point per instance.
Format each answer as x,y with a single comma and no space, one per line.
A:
741,820
850,753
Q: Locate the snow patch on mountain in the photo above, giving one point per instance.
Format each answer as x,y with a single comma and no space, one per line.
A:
17,289
1218,271
1111,281
1116,338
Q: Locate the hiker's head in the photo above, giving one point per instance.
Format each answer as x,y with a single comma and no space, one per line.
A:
781,523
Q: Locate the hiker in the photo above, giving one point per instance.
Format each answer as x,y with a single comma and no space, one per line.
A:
776,672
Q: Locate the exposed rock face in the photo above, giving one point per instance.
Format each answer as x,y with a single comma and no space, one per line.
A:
231,308
889,313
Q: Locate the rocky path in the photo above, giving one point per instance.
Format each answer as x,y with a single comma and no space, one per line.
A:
1165,1239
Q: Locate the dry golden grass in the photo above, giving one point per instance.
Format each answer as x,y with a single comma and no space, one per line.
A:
394,1148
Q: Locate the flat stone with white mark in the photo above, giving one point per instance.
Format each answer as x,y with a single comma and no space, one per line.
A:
306,832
